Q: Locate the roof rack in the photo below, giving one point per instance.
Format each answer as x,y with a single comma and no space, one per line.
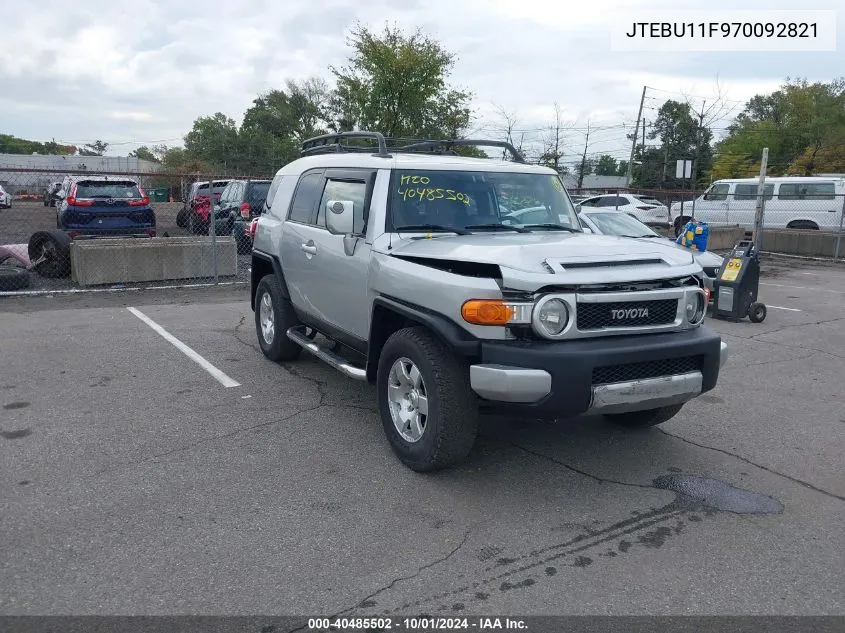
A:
330,143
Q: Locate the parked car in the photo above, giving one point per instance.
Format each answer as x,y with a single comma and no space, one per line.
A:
51,193
98,206
197,213
792,202
400,258
648,210
240,202
5,199
611,222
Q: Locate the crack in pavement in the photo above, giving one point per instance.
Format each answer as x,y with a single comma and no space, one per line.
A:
753,337
781,344
600,480
756,465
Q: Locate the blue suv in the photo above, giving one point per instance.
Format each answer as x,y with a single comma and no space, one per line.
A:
105,206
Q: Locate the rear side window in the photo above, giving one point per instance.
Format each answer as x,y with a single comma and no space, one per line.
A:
89,189
305,199
749,192
807,191
256,192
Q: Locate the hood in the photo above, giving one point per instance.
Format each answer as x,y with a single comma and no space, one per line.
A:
576,258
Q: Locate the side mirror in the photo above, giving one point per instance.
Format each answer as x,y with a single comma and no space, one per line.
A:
339,217
587,229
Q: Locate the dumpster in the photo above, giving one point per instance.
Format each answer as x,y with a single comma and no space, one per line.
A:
158,195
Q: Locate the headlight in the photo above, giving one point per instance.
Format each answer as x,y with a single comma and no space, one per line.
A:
552,316
696,305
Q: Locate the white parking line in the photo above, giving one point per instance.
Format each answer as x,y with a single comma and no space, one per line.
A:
782,308
218,375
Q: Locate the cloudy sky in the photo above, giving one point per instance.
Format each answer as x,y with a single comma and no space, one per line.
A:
140,72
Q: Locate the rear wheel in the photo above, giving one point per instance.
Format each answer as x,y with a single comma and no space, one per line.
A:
427,407
757,312
640,419
274,315
49,252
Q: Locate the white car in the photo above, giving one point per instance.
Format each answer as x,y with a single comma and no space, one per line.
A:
610,222
647,210
5,199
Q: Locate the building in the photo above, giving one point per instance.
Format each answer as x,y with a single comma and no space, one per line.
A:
25,173
592,182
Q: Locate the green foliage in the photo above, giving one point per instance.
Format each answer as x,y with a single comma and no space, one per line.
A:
607,165
802,124
97,148
396,84
12,145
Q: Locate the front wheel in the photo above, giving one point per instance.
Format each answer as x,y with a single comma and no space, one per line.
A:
650,417
757,312
427,407
274,315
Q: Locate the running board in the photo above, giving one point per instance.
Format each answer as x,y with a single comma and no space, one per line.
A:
297,335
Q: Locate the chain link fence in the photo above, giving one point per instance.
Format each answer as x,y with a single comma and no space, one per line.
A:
65,231
799,219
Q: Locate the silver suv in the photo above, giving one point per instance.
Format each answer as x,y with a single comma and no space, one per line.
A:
414,265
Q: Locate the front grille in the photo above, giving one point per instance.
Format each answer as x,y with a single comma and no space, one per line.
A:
592,316
646,369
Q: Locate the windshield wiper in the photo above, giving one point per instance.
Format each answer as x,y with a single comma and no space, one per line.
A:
498,225
432,227
551,227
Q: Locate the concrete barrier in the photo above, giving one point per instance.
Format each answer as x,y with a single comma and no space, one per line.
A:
806,243
130,260
723,238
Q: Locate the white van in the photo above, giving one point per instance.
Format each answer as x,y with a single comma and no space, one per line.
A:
793,202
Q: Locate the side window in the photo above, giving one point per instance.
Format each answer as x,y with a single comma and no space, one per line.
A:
353,190
305,199
749,192
806,191
717,192
611,201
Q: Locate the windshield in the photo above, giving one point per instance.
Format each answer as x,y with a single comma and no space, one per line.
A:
219,186
620,224
89,189
256,192
478,200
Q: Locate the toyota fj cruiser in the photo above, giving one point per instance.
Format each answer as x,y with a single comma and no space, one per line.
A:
413,264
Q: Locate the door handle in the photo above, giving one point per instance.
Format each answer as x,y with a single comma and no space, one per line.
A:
309,247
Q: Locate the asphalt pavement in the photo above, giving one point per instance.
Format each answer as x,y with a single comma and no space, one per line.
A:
135,482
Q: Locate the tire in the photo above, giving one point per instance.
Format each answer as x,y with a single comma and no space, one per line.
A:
276,345
46,203
181,218
804,225
757,312
451,421
13,278
641,419
680,222
54,247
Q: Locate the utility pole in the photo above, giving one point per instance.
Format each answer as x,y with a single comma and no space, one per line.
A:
634,142
642,163
695,158
761,201
584,158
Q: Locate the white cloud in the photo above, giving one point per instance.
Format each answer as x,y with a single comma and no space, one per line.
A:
144,75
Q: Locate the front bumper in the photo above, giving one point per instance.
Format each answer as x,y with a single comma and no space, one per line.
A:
566,378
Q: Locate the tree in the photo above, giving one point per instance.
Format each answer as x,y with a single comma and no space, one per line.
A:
144,153
213,139
297,113
506,128
801,124
553,150
607,165
396,84
12,145
97,148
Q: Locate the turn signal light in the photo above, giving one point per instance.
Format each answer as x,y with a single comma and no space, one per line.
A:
495,312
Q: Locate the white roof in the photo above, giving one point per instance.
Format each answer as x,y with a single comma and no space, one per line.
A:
409,161
779,179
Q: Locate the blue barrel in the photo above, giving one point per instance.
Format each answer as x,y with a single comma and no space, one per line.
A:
694,236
